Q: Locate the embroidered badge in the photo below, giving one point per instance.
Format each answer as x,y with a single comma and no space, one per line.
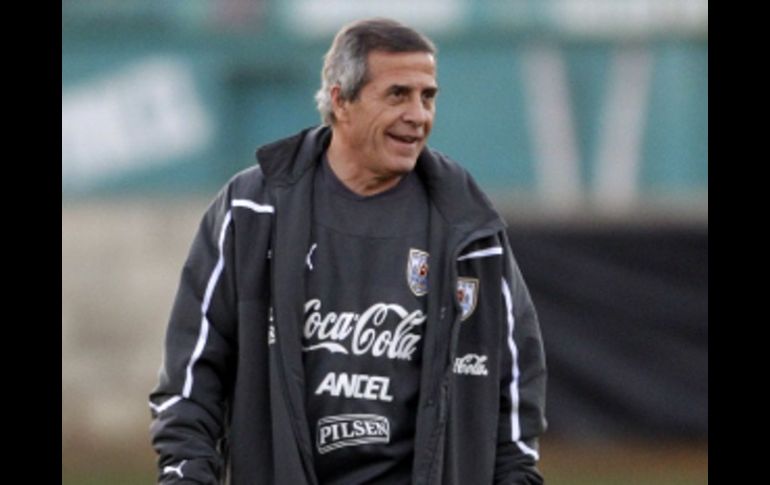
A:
467,295
417,272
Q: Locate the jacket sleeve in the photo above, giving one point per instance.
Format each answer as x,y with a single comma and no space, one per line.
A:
188,404
522,382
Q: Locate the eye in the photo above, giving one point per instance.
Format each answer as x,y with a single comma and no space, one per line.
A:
397,94
429,97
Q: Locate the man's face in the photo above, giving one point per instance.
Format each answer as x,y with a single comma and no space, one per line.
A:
388,124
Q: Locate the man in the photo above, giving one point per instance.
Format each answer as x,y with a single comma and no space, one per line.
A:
350,311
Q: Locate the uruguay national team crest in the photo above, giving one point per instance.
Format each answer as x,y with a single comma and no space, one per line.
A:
417,272
467,295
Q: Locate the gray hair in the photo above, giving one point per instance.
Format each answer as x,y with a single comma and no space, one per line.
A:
345,64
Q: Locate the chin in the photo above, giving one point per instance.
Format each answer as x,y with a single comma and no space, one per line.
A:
403,165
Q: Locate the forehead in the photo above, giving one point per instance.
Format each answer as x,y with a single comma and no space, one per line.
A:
412,68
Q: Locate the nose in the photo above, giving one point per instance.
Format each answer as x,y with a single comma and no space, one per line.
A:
417,113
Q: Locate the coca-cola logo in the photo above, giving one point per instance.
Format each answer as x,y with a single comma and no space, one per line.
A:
364,333
471,365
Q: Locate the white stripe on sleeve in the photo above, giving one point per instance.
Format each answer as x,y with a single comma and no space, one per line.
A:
261,208
169,402
514,387
204,331
482,253
529,451
212,282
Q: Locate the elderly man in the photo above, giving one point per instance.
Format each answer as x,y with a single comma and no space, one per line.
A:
350,311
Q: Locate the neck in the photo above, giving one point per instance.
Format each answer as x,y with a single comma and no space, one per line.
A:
348,169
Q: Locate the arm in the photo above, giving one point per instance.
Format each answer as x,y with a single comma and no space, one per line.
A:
522,384
188,404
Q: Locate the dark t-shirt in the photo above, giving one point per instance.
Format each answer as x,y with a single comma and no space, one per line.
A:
362,337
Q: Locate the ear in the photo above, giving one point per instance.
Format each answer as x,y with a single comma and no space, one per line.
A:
339,105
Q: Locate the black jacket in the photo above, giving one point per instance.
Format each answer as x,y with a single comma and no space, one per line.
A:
229,406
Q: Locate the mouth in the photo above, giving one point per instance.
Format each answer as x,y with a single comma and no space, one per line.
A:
405,139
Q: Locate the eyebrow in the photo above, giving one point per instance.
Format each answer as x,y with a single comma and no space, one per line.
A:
400,88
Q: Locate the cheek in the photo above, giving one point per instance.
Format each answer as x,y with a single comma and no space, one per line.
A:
432,117
378,126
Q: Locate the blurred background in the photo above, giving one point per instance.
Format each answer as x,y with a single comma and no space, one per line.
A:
586,121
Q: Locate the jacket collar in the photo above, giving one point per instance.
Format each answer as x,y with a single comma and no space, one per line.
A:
455,194
283,162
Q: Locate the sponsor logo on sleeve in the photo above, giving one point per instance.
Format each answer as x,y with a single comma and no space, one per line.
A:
334,432
471,365
467,295
417,272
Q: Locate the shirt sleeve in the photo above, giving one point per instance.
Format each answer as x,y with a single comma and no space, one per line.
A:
522,382
188,405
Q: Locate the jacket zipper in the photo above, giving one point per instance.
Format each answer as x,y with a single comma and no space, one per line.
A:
455,329
445,391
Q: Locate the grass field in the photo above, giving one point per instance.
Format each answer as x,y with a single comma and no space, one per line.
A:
627,464
561,464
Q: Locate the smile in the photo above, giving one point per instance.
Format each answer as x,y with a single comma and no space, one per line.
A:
404,139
